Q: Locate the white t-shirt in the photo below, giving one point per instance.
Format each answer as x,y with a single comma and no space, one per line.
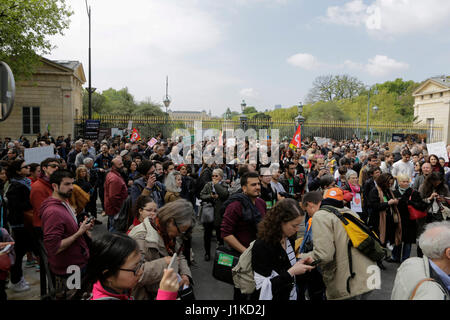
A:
401,167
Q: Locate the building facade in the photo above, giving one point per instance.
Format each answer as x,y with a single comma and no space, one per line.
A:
189,115
50,100
432,105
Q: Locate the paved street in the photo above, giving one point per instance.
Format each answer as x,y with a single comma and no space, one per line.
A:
206,287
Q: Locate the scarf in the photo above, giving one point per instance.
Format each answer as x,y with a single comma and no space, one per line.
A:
402,190
168,242
355,188
25,181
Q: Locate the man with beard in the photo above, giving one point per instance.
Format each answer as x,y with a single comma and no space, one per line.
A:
64,239
116,190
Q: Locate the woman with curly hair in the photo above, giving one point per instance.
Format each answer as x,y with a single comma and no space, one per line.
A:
273,258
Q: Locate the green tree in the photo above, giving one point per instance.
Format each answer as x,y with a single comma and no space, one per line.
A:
149,108
25,26
119,101
98,102
249,110
325,111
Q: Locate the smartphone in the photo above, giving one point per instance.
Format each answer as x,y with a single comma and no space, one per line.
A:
89,220
6,249
315,262
172,260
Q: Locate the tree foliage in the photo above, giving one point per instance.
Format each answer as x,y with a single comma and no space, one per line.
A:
25,26
121,101
332,88
249,110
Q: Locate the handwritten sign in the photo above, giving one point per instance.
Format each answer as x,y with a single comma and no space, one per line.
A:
37,155
439,149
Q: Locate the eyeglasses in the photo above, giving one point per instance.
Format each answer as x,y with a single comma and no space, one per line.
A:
137,269
25,167
183,234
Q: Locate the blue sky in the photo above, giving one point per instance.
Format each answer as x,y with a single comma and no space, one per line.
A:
268,52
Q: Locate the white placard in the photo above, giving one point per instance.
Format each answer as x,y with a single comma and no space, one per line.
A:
37,155
116,132
320,141
439,149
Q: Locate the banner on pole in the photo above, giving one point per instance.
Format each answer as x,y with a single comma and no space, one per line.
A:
296,142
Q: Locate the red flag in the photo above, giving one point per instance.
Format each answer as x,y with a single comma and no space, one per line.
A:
296,142
135,136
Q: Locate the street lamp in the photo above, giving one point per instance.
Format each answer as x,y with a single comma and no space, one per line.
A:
243,105
167,100
88,9
300,119
368,109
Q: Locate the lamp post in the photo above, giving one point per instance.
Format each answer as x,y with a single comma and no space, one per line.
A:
300,120
243,117
375,110
90,91
368,110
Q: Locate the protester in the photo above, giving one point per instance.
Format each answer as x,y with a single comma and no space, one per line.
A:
147,184
215,193
157,243
64,239
331,247
173,184
115,268
144,207
426,278
274,263
116,191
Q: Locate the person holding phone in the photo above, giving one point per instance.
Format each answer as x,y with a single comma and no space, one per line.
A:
274,262
157,241
115,268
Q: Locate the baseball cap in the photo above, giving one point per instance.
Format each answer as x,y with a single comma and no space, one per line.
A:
334,193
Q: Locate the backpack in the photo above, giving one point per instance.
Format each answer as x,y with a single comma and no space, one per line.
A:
361,238
360,235
243,277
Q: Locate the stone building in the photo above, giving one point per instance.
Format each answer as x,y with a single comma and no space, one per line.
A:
189,115
52,98
432,106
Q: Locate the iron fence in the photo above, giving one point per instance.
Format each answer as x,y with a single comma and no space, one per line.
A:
150,126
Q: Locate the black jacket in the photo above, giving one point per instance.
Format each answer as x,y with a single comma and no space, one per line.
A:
267,257
409,227
298,186
18,202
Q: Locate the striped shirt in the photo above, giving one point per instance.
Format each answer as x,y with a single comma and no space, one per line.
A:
293,260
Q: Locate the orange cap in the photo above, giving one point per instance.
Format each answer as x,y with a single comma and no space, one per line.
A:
334,193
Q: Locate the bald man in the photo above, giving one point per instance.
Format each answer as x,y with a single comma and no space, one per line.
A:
116,191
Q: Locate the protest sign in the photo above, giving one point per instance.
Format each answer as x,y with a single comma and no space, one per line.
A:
152,142
37,155
439,149
116,132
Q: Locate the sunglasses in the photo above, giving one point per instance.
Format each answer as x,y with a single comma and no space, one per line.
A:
137,269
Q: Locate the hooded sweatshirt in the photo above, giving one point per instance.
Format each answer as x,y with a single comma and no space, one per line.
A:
59,223
40,191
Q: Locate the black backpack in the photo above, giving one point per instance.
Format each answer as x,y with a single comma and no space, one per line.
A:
125,218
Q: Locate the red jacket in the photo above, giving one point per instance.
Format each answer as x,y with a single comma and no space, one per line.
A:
98,292
40,190
116,192
58,224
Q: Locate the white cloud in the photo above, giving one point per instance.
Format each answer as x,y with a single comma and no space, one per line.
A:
378,66
249,93
305,61
392,17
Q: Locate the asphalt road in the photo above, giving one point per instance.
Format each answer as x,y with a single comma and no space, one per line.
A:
205,286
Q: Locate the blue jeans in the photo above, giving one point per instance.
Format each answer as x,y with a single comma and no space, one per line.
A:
405,253
111,224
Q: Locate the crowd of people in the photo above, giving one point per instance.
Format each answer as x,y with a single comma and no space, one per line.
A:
288,212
